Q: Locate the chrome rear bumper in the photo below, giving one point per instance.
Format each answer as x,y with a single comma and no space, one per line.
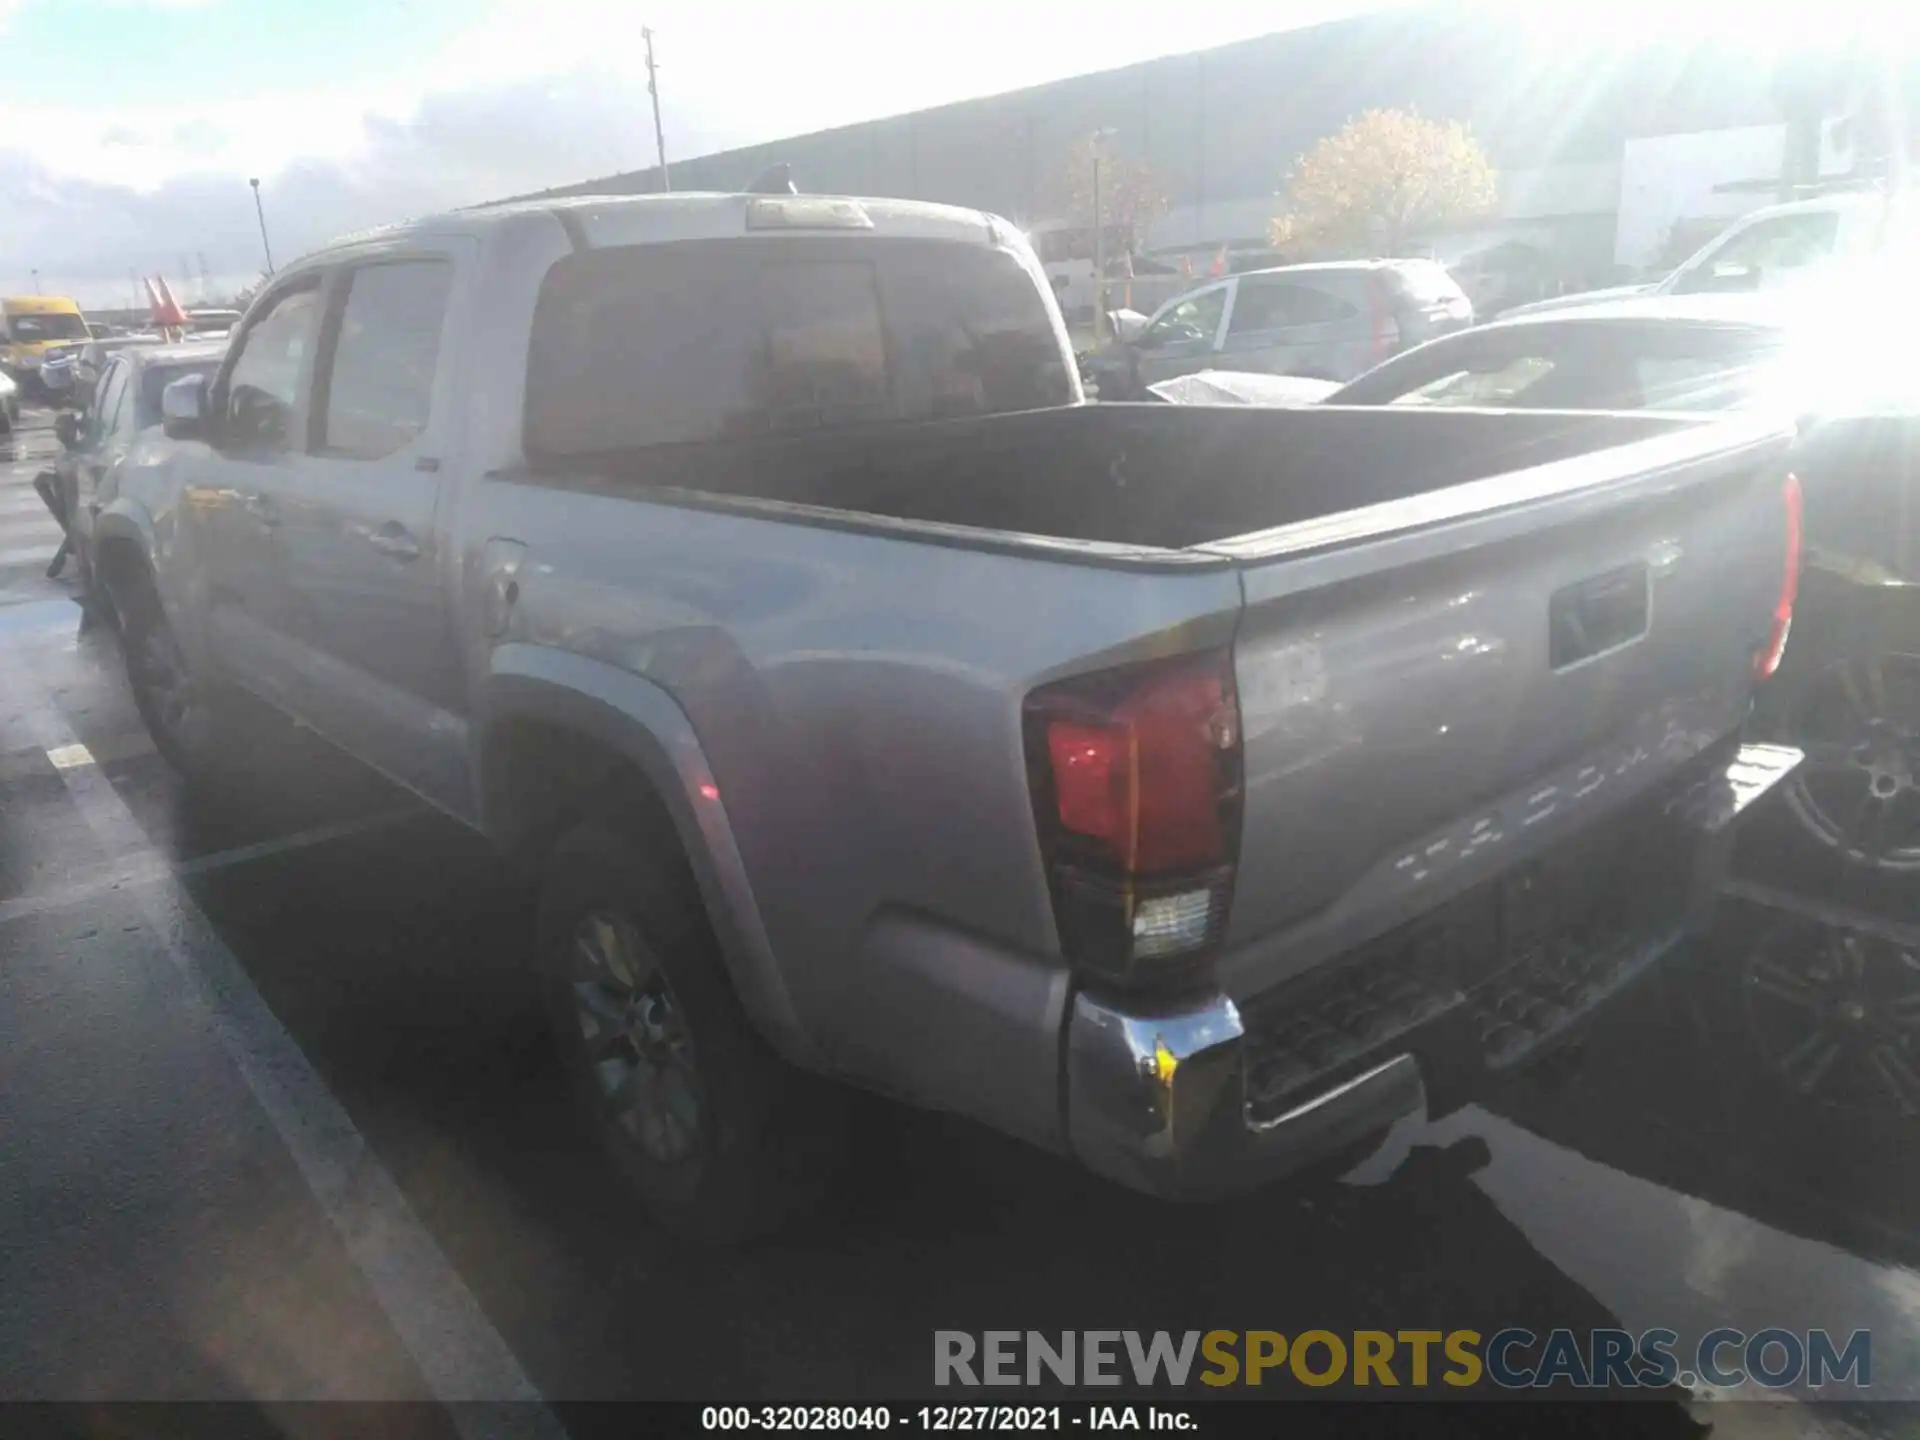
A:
1185,1099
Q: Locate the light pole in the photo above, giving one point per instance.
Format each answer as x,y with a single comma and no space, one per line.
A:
653,89
260,211
1099,140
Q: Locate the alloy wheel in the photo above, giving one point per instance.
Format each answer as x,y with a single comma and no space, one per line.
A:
636,1041
1858,792
1835,1015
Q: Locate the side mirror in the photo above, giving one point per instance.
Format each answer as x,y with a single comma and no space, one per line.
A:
183,408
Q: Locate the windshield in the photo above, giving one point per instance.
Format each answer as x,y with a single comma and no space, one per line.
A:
30,329
1764,254
1585,366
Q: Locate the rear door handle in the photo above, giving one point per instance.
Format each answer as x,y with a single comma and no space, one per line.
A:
393,541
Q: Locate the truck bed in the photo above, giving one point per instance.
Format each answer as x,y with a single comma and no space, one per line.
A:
1166,477
1387,580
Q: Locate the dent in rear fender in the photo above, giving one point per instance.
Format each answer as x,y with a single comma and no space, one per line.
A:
642,721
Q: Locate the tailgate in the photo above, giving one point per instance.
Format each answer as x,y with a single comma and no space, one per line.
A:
1434,690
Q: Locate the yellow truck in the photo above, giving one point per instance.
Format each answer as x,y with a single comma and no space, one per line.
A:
29,326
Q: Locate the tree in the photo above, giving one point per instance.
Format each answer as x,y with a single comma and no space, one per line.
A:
244,296
1385,178
1132,196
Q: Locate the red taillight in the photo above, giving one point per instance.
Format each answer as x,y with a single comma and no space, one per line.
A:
1136,780
1768,659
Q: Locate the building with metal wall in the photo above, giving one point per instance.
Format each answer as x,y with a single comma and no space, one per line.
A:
1221,127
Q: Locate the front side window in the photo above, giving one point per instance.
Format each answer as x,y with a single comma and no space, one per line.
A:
263,387
379,387
1192,321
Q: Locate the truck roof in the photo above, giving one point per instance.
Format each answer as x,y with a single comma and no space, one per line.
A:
614,220
38,305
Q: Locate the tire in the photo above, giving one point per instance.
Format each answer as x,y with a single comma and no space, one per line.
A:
718,1138
187,714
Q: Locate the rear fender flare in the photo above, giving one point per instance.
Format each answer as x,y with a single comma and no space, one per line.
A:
640,721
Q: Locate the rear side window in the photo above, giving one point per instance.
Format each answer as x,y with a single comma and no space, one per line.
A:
640,346
378,390
1272,305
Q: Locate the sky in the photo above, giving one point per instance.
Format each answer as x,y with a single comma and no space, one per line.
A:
129,128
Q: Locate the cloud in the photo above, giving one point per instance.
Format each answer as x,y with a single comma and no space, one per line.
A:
83,233
533,94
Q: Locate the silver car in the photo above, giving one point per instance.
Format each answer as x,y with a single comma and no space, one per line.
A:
1330,322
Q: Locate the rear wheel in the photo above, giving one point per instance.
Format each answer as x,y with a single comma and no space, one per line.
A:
714,1134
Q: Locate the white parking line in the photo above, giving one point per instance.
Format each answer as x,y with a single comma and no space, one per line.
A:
457,1350
150,869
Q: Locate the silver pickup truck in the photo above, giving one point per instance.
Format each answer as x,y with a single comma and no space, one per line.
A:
1192,791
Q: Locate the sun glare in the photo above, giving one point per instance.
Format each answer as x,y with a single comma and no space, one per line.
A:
1764,30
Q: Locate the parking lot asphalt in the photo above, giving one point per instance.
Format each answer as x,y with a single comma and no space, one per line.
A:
278,1121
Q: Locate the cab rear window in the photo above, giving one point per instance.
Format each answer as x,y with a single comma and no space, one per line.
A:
643,346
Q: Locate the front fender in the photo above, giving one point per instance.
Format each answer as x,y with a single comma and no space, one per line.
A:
638,719
124,520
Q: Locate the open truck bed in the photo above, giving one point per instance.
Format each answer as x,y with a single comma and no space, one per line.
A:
1155,783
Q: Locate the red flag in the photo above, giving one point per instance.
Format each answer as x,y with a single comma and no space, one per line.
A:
167,313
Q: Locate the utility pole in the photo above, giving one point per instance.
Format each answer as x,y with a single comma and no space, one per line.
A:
261,212
1099,145
36,282
653,89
